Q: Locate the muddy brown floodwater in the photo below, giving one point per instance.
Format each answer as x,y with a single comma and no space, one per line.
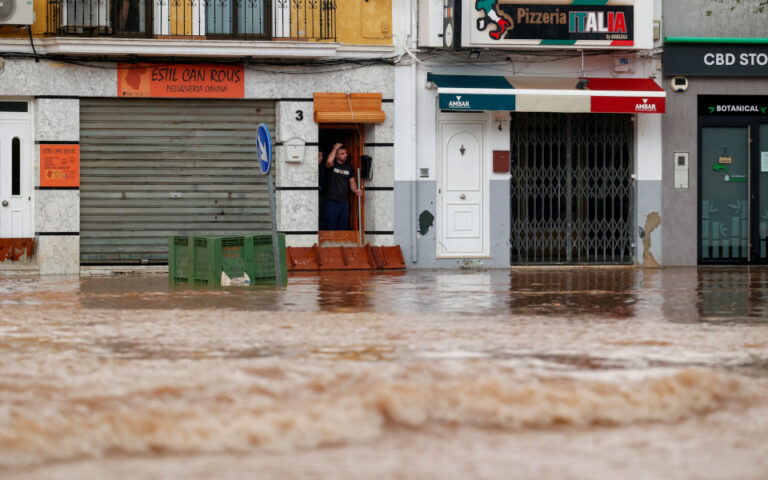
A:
594,373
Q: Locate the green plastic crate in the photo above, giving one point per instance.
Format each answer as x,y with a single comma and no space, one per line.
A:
199,260
181,262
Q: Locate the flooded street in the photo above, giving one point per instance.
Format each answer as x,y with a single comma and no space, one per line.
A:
593,373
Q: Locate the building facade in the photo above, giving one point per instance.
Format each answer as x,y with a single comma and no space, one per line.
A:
125,123
715,189
534,132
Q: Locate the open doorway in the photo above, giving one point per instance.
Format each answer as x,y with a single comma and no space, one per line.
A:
352,138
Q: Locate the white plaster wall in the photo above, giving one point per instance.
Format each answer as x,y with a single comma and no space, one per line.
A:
648,146
644,16
27,77
292,240
380,240
288,126
403,130
426,120
290,174
383,167
302,82
648,167
383,132
57,211
297,210
58,254
379,211
57,119
497,140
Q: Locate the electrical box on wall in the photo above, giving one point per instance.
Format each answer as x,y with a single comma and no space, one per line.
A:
681,169
294,150
623,64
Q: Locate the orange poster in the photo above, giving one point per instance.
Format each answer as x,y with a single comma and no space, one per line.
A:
180,81
59,165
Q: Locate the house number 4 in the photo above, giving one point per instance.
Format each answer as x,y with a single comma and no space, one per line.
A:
299,115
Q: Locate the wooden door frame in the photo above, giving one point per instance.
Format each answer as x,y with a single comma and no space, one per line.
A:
356,149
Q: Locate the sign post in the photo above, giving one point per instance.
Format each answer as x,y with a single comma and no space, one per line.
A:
264,153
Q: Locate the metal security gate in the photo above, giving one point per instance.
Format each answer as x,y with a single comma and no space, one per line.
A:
571,188
151,168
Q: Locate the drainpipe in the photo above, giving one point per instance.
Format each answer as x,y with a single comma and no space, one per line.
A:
414,139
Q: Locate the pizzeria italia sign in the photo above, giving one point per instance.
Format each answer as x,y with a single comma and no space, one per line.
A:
566,22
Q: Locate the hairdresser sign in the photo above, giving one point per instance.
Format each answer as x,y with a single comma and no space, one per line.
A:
180,81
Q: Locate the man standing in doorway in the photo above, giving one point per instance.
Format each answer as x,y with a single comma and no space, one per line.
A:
341,180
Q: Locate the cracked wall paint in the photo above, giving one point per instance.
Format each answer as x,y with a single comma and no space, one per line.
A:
652,222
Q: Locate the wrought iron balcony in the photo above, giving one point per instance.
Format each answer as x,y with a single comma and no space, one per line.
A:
213,19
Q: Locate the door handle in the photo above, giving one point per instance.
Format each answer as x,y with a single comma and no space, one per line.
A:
463,196
5,203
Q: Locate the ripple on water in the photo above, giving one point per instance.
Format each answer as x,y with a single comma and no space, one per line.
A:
286,407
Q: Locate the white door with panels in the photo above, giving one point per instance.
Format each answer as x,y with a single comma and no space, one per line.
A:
462,209
15,180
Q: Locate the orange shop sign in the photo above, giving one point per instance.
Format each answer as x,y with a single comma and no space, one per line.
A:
60,165
146,80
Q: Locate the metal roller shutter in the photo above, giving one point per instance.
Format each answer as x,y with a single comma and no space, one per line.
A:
571,197
152,168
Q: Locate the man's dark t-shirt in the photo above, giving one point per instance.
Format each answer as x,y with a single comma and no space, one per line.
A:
337,188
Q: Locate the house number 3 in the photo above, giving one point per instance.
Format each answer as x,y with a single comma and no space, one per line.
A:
299,115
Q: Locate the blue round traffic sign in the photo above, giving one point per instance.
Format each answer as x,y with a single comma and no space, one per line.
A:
264,148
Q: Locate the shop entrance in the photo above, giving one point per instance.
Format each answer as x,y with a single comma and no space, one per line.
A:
733,198
353,140
571,188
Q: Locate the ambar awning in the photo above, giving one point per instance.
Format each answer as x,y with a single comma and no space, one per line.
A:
547,94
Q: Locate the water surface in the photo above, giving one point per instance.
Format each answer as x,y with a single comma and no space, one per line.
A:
548,373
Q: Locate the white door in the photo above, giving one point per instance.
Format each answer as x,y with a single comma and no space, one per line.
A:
15,184
461,191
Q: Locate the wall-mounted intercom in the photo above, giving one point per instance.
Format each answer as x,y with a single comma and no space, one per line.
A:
681,169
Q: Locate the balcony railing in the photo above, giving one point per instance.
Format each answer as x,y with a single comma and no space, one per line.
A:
214,19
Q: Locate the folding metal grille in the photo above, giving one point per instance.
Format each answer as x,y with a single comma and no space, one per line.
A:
571,188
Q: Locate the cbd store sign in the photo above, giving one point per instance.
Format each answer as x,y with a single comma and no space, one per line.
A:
566,22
